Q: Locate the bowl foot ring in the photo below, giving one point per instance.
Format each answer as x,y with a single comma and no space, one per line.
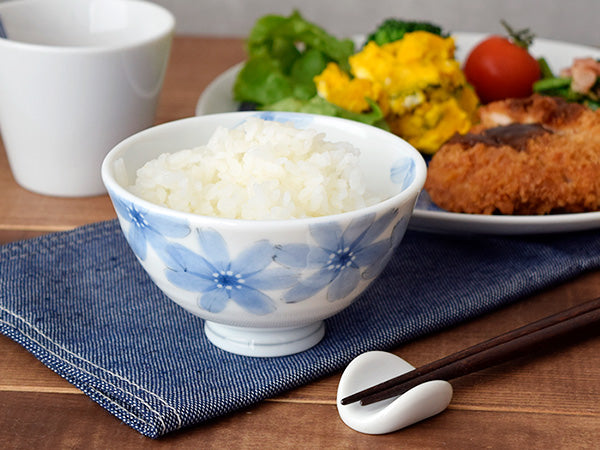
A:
263,341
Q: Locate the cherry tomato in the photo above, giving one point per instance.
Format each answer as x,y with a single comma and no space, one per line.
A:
498,68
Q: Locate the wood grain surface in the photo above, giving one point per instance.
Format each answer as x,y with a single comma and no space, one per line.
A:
549,399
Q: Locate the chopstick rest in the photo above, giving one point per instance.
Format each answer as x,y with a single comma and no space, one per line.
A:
370,368
485,354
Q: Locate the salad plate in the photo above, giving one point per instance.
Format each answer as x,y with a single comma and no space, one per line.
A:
218,98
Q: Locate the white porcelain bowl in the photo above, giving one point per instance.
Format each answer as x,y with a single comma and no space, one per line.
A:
265,287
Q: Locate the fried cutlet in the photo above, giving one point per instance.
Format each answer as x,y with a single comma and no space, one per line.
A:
538,155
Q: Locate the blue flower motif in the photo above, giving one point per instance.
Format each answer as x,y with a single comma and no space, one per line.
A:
299,120
338,258
146,228
397,234
218,279
402,172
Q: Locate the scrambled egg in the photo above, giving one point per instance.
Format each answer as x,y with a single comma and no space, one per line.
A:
416,82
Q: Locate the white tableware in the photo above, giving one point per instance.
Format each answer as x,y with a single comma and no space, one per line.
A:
429,217
371,368
294,273
77,77
218,97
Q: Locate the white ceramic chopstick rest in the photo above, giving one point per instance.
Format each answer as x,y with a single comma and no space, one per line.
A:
371,368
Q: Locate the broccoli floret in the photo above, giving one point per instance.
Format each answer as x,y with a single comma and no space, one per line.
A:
394,29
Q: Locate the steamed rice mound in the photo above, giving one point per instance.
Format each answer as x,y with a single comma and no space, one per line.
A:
261,170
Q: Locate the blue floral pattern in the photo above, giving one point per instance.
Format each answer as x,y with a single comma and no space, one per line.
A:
398,231
340,257
146,228
336,258
219,279
299,120
402,172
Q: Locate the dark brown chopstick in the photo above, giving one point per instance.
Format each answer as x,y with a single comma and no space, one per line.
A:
485,354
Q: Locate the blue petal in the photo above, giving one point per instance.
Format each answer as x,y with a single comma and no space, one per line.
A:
319,257
402,172
168,226
355,231
302,256
254,259
214,301
137,241
253,301
163,248
327,235
299,120
190,281
344,284
292,255
398,231
214,247
301,292
370,254
273,279
379,226
397,234
184,259
310,286
121,208
375,269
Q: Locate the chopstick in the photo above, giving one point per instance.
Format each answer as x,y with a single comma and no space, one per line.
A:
485,354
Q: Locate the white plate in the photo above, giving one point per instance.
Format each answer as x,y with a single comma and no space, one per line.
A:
218,97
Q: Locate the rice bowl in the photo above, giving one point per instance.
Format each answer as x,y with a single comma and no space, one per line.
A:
264,287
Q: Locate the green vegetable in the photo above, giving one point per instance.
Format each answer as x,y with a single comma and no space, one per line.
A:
545,68
394,29
318,105
303,70
277,35
561,87
553,84
261,81
284,55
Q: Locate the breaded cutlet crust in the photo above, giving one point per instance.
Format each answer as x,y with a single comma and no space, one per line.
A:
538,155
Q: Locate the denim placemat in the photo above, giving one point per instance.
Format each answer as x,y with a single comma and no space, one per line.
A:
79,301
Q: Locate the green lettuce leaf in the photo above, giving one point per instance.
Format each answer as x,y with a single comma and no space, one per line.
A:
296,29
284,56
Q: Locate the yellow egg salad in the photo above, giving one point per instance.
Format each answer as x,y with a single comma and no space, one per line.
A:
417,83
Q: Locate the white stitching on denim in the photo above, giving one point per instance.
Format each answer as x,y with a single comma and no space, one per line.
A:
90,374
127,412
87,372
160,399
46,249
23,251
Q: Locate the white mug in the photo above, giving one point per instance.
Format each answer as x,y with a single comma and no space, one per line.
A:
76,78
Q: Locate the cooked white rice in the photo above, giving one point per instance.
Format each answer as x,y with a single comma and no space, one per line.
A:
262,170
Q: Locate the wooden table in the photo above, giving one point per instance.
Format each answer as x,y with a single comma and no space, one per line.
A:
547,400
